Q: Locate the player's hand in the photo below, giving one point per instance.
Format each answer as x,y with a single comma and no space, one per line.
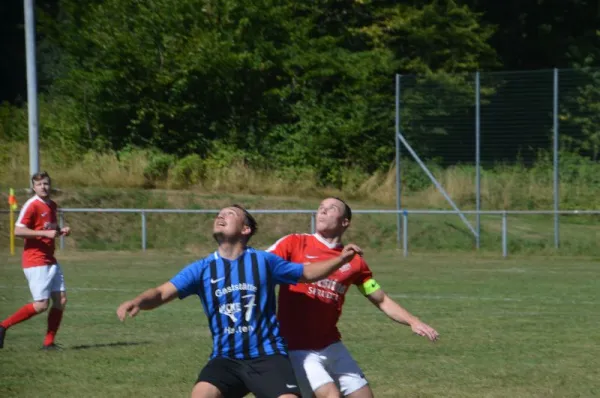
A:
350,250
51,233
127,308
422,329
65,231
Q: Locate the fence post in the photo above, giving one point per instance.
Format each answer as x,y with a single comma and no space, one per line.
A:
478,158
398,177
405,232
313,223
504,235
143,214
555,161
61,224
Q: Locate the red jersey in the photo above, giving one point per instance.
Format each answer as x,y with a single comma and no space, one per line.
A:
38,214
308,312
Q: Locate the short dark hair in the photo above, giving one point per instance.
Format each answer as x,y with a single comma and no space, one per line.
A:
347,209
39,176
248,220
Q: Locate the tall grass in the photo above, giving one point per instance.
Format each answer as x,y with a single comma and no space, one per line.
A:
87,170
502,186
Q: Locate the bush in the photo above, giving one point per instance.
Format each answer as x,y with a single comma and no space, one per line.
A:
13,123
188,171
158,167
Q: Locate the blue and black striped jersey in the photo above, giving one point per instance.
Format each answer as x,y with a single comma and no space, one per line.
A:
238,297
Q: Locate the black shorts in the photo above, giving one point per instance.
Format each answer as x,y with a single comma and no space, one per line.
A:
266,377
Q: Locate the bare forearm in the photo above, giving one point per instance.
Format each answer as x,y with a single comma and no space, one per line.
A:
150,299
396,313
317,271
24,232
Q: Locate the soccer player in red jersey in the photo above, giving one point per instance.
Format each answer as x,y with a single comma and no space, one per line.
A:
38,226
308,312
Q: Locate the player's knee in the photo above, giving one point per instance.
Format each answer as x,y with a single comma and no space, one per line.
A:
328,390
59,300
40,306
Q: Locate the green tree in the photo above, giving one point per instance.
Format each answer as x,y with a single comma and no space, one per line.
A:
306,85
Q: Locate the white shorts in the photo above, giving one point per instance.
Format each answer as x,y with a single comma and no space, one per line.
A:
44,280
332,364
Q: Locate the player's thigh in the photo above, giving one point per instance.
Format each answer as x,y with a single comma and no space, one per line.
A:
271,376
363,392
57,284
224,375
329,390
206,390
310,371
40,281
345,371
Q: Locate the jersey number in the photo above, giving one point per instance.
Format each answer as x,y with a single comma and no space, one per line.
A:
249,306
231,309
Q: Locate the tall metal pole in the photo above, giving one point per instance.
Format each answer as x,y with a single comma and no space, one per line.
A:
34,154
478,158
555,161
398,179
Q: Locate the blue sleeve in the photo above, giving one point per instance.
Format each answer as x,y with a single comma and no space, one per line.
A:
188,280
284,271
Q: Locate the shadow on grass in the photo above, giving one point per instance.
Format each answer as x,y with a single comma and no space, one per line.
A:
116,344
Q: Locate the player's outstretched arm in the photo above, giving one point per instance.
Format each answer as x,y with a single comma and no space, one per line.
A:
148,300
397,313
319,270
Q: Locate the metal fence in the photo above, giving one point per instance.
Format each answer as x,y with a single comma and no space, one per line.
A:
404,214
489,120
481,121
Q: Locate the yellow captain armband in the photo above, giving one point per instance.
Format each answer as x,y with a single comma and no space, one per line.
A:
369,287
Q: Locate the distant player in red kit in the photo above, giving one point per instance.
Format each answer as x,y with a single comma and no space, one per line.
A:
308,312
38,226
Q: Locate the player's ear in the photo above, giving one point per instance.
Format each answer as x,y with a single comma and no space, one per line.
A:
345,223
246,230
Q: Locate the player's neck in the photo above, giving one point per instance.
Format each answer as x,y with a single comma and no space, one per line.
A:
44,199
231,250
332,239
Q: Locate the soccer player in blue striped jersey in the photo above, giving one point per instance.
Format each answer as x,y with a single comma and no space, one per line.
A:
236,286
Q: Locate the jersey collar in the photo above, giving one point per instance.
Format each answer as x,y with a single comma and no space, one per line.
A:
217,256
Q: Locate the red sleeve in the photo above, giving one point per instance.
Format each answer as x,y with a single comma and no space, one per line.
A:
283,247
27,216
364,273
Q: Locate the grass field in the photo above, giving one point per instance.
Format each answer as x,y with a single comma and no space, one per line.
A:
522,327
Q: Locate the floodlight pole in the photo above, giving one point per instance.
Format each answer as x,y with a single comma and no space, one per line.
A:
32,105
